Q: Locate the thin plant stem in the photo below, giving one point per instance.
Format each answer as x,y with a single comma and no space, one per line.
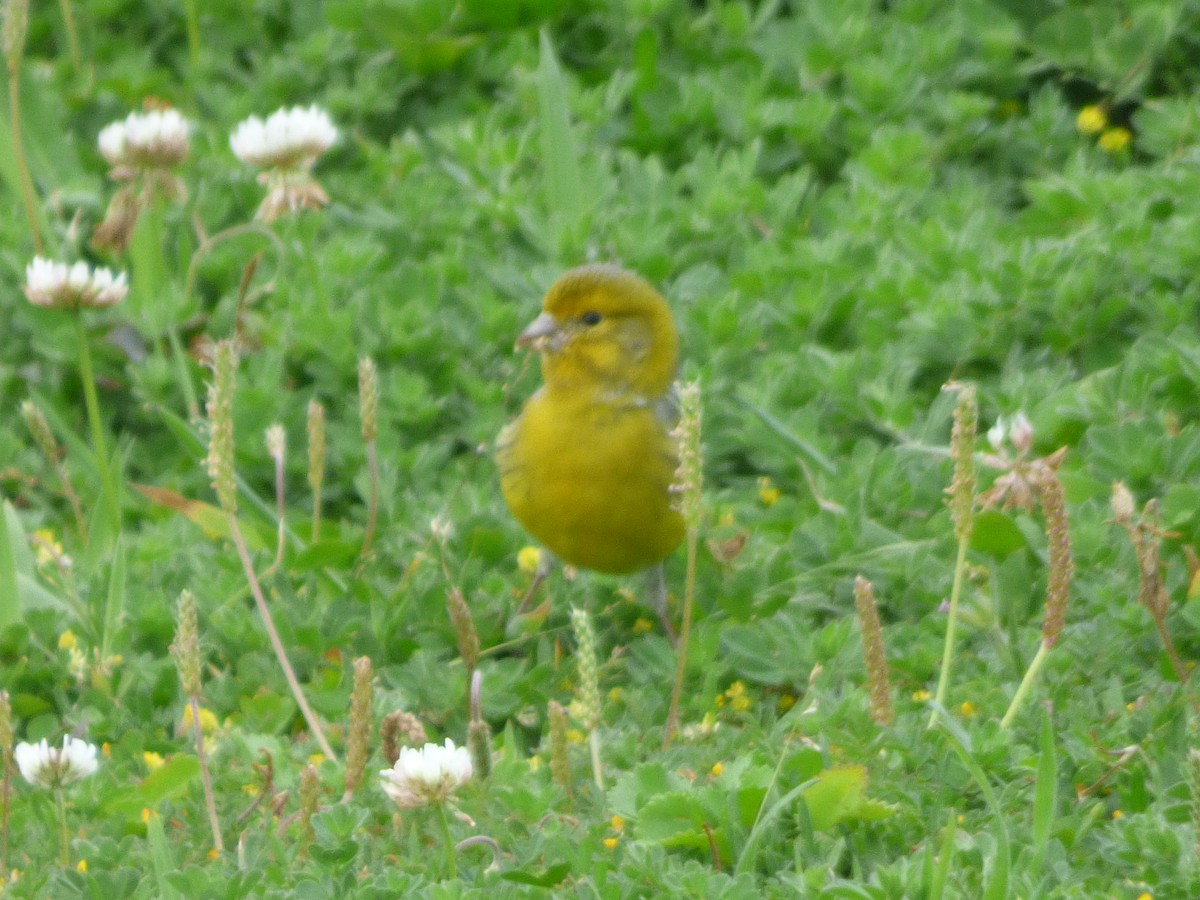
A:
960,565
193,34
206,246
280,514
72,35
445,821
5,794
685,630
73,498
14,106
597,768
99,443
1181,672
264,611
208,243
181,373
151,264
64,836
210,802
1035,666
372,500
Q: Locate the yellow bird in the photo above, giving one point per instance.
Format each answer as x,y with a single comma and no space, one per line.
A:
587,466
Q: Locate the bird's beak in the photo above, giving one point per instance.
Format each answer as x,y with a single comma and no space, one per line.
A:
540,334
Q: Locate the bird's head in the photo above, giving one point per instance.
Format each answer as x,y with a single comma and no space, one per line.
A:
604,327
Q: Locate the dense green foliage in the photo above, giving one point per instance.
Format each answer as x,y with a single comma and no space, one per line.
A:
848,205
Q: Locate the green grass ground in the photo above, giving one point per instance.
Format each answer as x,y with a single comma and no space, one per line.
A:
848,205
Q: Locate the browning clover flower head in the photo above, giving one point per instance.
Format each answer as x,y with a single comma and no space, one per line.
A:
55,767
59,285
427,776
152,140
286,146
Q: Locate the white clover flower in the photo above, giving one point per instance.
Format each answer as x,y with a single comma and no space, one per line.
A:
153,140
59,285
286,146
997,433
288,139
55,767
1021,433
426,776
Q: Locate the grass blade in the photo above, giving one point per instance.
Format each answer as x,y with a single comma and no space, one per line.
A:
560,155
997,886
12,543
114,602
1045,796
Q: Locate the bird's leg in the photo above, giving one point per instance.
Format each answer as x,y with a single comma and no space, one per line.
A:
656,594
544,568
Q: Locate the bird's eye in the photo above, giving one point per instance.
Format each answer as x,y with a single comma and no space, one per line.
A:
591,317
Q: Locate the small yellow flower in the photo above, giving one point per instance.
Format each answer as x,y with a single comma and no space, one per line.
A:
967,709
47,549
617,823
574,736
736,695
717,769
767,492
252,789
1091,119
81,866
214,853
1145,895
106,750
147,815
529,558
208,720
1117,814
1114,140
961,819
610,843
67,640
153,760
314,759
642,625
785,702
77,663
616,694
921,696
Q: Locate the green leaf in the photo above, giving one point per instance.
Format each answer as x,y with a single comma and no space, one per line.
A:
563,179
552,876
161,857
114,602
14,552
996,533
171,779
684,821
672,817
999,865
838,795
1045,795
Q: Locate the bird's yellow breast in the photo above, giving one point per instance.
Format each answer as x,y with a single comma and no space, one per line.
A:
589,476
